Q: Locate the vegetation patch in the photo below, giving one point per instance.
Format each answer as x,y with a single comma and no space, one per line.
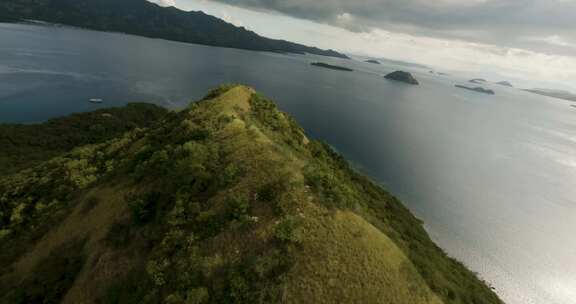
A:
53,277
24,146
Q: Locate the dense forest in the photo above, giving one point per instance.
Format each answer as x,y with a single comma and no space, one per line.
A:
24,146
226,201
140,17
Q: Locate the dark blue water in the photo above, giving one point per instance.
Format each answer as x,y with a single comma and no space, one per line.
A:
493,177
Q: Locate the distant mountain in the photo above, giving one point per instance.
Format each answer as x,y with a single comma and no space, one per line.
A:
140,17
373,61
554,93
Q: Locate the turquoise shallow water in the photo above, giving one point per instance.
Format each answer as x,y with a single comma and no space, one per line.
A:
491,176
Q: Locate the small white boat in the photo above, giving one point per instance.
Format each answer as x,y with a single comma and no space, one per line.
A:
95,100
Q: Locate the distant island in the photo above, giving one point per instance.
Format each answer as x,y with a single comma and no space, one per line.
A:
332,67
505,83
476,89
559,94
374,61
438,73
140,17
484,81
402,77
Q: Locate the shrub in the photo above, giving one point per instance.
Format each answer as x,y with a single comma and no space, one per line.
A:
335,190
4,233
179,214
81,173
230,175
197,296
289,230
212,222
194,167
143,207
269,264
17,214
272,193
238,208
156,269
210,265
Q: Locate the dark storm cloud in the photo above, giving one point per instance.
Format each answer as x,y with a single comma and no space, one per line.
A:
540,25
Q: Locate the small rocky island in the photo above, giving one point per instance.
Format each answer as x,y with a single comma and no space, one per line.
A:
478,80
374,61
505,83
332,67
476,89
402,77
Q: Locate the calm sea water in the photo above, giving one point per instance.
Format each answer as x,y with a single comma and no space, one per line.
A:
493,177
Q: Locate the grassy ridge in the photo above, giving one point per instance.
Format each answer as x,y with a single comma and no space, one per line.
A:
343,188
227,201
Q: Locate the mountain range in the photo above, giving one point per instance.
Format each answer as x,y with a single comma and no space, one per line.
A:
140,17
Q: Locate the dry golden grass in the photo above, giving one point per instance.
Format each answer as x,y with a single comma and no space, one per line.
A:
93,226
344,259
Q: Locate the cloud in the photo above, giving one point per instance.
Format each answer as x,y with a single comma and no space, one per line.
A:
507,23
226,16
524,66
553,40
164,3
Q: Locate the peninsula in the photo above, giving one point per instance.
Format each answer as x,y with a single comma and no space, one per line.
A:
225,201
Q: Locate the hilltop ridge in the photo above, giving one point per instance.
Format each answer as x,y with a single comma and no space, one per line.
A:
226,201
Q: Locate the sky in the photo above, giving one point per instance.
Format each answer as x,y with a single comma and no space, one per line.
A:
532,42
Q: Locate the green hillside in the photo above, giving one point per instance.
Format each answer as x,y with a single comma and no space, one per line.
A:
23,146
226,201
